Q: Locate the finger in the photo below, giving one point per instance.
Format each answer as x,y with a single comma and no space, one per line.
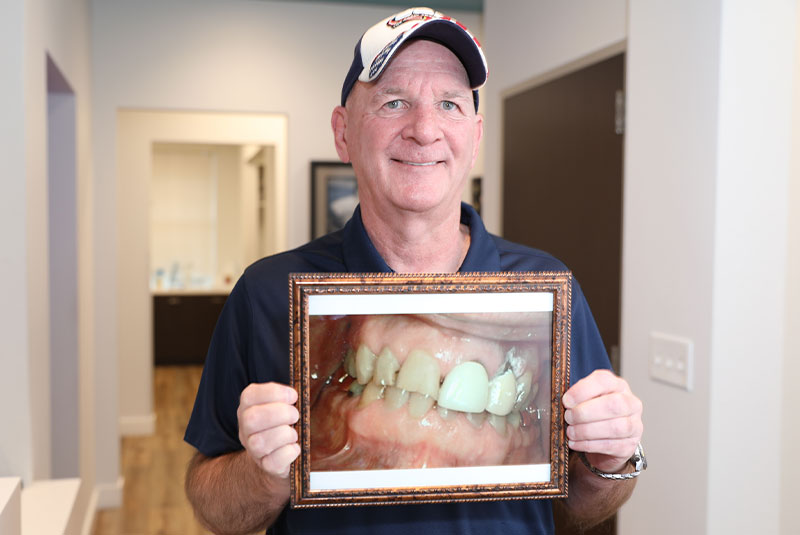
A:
258,393
266,416
621,449
280,460
266,442
605,407
614,429
598,383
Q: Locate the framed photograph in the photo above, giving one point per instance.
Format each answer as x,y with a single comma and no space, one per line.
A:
334,196
418,388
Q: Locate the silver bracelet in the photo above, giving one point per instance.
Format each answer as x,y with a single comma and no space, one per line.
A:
637,460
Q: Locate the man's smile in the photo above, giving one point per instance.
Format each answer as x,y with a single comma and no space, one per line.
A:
417,164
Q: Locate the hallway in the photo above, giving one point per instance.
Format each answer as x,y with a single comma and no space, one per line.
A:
153,466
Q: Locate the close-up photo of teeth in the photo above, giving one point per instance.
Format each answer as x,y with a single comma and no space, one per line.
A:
429,390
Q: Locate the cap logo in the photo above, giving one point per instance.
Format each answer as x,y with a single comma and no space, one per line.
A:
380,59
396,21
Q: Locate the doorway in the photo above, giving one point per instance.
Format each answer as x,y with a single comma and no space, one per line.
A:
138,132
62,214
562,176
562,186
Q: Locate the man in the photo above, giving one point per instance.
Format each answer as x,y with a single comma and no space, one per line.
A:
408,123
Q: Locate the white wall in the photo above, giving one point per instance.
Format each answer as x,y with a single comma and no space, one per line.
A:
30,31
790,437
705,255
196,212
668,243
15,444
710,250
750,260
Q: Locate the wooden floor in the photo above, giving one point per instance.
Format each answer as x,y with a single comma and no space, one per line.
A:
153,501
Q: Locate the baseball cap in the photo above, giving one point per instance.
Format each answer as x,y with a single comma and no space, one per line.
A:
379,43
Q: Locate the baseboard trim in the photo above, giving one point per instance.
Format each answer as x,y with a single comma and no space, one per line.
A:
109,495
137,425
89,515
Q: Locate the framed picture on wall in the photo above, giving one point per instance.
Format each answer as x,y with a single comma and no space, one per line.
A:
476,191
334,196
429,388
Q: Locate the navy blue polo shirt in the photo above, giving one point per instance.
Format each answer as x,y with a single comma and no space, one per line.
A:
251,345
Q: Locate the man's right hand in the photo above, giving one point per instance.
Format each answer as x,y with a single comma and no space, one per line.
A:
227,494
266,415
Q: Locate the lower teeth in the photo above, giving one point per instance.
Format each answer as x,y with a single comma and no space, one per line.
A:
476,418
372,392
395,397
419,405
445,414
499,423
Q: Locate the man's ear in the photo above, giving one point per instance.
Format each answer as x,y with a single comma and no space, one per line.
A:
339,126
478,136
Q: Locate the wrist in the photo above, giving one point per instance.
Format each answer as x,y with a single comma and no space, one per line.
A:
606,463
629,470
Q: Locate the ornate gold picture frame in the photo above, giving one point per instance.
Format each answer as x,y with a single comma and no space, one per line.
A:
429,388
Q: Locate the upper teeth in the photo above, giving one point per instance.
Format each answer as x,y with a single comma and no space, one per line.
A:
466,388
502,394
386,368
419,373
420,163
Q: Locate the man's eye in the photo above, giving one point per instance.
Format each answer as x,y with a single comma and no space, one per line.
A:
448,105
394,104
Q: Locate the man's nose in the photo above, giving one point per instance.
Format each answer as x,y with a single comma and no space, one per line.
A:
423,125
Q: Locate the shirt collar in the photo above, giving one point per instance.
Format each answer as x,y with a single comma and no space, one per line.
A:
360,255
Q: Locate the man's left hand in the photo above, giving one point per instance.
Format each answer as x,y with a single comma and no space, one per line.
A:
604,420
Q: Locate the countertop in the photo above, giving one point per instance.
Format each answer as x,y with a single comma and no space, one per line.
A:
177,292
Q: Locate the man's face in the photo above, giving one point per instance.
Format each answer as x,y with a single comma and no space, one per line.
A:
412,135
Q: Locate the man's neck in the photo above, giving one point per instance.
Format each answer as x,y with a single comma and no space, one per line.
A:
413,243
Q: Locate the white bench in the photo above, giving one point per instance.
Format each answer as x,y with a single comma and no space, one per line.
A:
49,507
10,506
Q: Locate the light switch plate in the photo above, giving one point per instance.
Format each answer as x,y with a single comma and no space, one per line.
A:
671,360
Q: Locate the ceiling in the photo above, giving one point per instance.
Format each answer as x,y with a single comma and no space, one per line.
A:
440,5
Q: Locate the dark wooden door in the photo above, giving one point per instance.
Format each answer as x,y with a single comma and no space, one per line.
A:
562,185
